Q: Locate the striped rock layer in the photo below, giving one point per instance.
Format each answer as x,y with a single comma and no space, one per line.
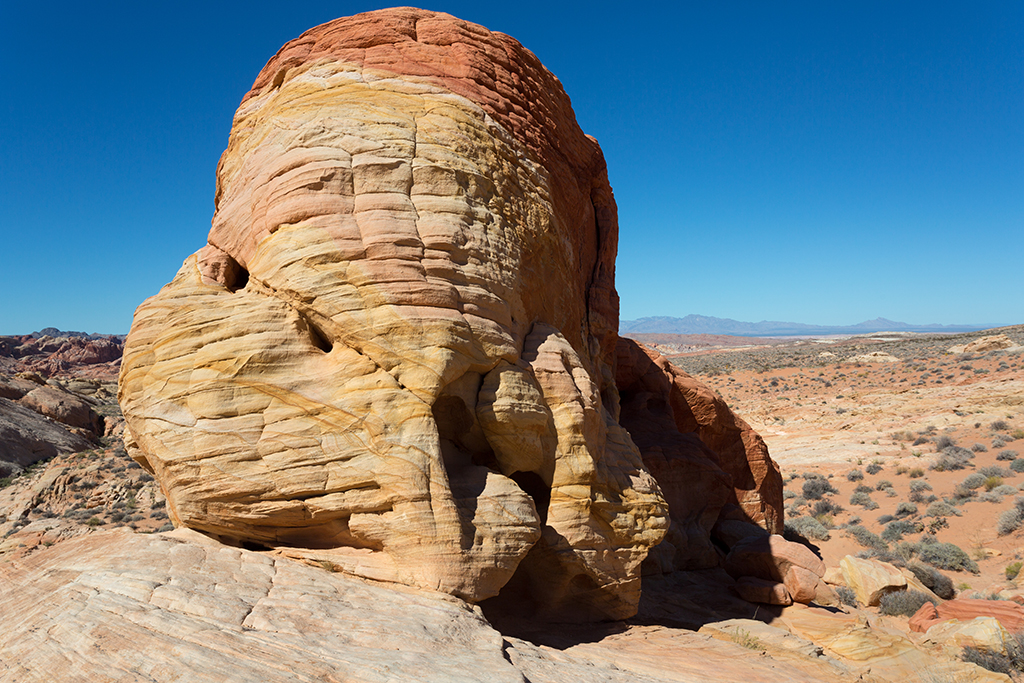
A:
397,351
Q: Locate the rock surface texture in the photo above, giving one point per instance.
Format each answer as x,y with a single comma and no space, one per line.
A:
118,606
398,351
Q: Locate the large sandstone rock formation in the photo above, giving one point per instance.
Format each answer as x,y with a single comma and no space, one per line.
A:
398,351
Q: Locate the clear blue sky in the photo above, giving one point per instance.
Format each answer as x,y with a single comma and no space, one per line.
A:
814,162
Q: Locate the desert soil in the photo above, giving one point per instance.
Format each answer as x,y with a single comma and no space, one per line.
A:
886,422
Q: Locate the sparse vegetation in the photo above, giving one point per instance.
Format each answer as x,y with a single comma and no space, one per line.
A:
808,527
933,579
903,603
945,556
816,489
846,596
905,510
864,500
866,538
743,638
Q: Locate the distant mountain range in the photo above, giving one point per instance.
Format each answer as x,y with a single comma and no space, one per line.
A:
54,332
702,324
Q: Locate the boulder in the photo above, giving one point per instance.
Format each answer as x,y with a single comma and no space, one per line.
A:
834,576
994,342
1010,614
60,405
874,651
871,579
770,557
802,584
397,350
27,437
753,589
982,633
14,388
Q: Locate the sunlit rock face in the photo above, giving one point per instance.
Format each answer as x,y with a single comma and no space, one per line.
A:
397,350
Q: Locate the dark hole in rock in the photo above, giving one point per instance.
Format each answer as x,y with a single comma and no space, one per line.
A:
240,280
252,545
535,488
318,338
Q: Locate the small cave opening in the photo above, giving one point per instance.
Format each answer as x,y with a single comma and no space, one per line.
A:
532,484
253,545
240,280
318,338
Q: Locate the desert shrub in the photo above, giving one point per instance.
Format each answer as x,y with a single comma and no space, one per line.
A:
943,442
815,489
846,595
979,448
1017,465
787,494
884,484
933,579
826,507
920,440
895,530
995,471
1017,434
992,661
863,489
952,458
946,556
973,481
905,509
873,468
854,475
166,527
1009,521
993,483
866,538
963,493
1005,490
902,603
864,500
941,508
885,519
916,497
1013,569
808,527
990,497
918,486
916,473
999,426
1007,455
998,441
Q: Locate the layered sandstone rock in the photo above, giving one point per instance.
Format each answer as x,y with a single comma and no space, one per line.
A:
870,580
995,342
1009,613
398,350
398,347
